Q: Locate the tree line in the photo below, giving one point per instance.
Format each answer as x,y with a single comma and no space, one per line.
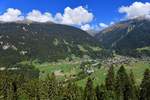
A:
117,86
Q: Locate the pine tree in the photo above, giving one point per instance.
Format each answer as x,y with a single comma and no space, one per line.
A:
101,92
5,86
123,85
15,90
110,79
17,82
134,86
110,83
89,93
145,86
51,87
72,92
32,89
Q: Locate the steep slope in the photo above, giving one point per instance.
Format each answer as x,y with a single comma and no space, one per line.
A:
127,37
45,42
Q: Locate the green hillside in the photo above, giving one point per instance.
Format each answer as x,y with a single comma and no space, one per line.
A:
45,42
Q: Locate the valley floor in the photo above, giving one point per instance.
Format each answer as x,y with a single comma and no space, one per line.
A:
65,70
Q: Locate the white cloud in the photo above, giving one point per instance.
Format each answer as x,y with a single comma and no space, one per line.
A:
94,29
91,29
58,18
137,9
100,26
112,23
86,27
11,15
76,16
37,16
103,25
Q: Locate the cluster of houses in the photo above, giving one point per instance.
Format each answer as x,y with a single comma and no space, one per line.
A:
89,66
119,60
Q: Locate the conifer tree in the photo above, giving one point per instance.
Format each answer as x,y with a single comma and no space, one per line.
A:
89,92
32,89
110,79
110,83
16,84
101,92
135,92
72,92
51,87
123,85
145,86
5,86
15,90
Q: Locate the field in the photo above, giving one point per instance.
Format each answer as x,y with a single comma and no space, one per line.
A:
65,71
60,69
137,68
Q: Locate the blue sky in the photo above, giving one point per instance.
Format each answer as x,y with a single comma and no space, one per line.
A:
103,11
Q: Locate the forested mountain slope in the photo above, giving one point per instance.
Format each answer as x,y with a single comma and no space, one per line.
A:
131,37
45,42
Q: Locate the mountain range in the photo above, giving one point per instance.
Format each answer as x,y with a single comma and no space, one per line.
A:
20,41
129,37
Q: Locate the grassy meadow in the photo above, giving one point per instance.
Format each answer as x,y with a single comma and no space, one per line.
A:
65,70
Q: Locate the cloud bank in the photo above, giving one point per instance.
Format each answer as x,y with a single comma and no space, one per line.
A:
137,9
75,16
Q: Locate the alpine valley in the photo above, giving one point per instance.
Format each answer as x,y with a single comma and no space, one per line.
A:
48,61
